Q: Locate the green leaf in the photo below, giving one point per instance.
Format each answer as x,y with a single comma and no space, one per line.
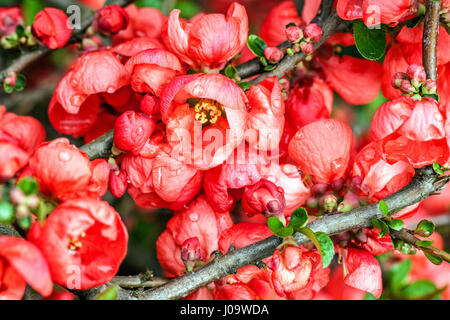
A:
270,67
323,244
435,259
277,227
383,207
380,225
404,247
395,224
25,222
424,243
420,289
109,293
7,88
326,248
230,71
20,82
435,96
286,232
437,168
245,85
256,45
6,212
398,274
291,24
371,43
28,185
411,23
425,228
299,219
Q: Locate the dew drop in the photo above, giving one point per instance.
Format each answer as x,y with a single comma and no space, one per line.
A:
64,156
193,217
197,90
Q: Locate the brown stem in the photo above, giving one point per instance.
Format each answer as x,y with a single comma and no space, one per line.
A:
100,147
430,38
412,240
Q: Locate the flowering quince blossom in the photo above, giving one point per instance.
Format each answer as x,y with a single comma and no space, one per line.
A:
84,241
52,27
66,173
412,130
208,40
206,133
21,262
111,19
19,137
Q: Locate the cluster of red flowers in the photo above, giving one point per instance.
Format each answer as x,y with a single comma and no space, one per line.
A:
195,142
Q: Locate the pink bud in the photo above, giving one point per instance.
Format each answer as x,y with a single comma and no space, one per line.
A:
132,131
319,188
16,196
11,79
313,32
429,87
264,197
398,78
273,54
117,183
406,87
328,202
337,185
416,73
306,47
148,104
312,203
294,33
191,252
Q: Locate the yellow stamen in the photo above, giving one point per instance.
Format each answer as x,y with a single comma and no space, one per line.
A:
208,111
75,245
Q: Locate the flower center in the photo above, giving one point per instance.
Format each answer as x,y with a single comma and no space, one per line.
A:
76,244
208,111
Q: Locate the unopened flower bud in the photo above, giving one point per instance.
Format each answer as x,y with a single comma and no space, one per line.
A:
361,236
417,74
32,201
10,18
338,184
429,87
191,253
306,47
11,79
294,33
328,202
117,183
16,196
319,189
273,54
406,87
22,211
350,202
110,20
264,197
312,203
313,32
398,78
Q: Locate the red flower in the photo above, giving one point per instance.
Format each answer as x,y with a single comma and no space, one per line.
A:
338,290
143,22
65,172
132,131
412,131
243,234
52,27
362,271
10,18
381,177
207,133
134,46
20,263
208,40
198,220
322,149
152,69
264,197
309,100
266,115
84,241
297,274
374,12
110,19
19,137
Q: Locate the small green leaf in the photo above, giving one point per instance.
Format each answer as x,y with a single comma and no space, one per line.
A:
245,85
270,67
263,61
398,274
380,225
25,222
404,247
256,45
275,225
421,288
383,207
230,71
396,224
109,293
435,259
425,228
6,212
291,24
424,243
20,82
299,219
435,96
437,168
326,248
286,232
371,43
28,185
7,88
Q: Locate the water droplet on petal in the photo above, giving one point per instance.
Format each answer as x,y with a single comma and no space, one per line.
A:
64,156
197,90
193,217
